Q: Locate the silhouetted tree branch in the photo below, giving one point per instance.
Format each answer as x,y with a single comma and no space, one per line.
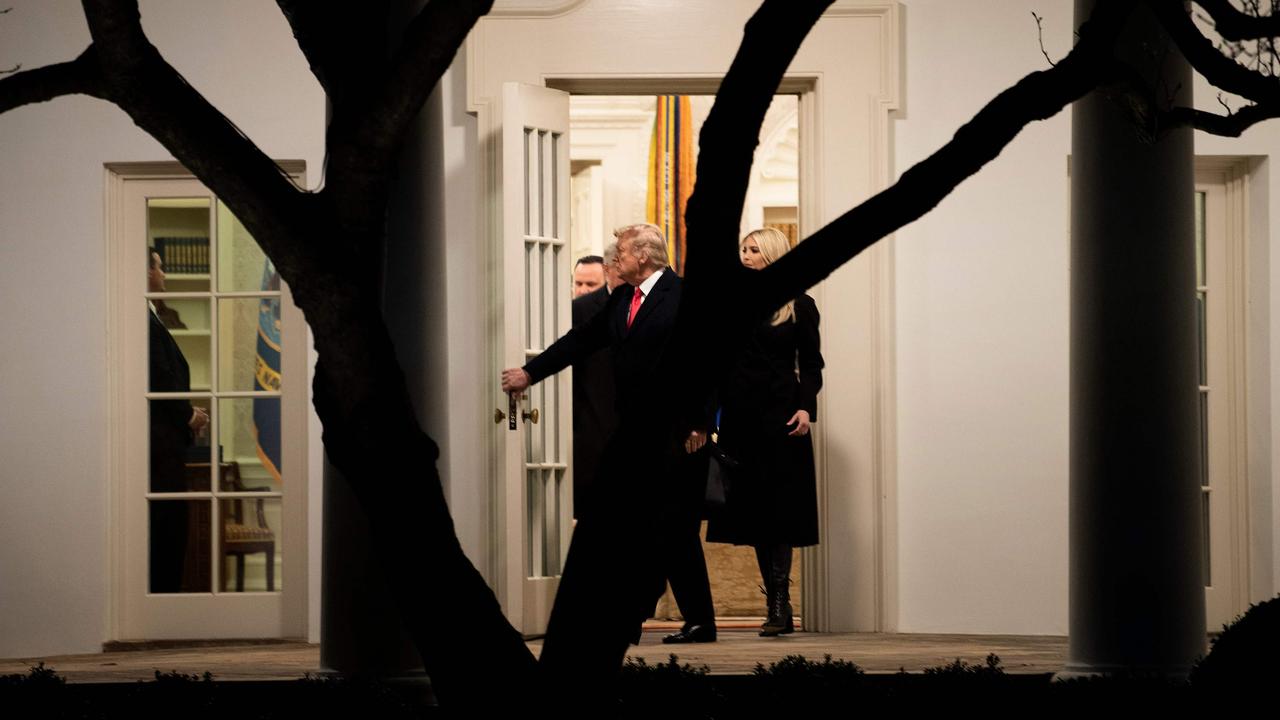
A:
1221,70
367,128
136,78
1037,96
1232,124
1040,36
730,133
1232,24
429,45
77,77
1208,60
342,63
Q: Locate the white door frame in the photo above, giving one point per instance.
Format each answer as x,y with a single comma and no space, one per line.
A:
848,78
1225,179
127,438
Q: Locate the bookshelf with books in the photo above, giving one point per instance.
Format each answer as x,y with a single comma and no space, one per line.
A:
184,256
178,230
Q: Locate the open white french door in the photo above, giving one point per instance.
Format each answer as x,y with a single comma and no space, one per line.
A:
1221,310
209,540
536,493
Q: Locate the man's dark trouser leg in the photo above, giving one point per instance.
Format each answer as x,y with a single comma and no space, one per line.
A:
686,566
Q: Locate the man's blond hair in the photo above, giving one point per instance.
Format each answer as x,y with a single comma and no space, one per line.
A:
647,242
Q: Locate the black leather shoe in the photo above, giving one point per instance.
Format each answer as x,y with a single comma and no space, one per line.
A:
691,634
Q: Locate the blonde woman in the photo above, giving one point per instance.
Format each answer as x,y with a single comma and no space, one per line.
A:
767,403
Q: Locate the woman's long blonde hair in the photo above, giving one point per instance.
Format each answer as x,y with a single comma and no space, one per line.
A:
773,245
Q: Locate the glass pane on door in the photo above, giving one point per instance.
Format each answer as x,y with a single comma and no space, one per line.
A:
1202,290
548,289
240,259
215,337
178,450
249,544
179,546
249,436
249,343
178,231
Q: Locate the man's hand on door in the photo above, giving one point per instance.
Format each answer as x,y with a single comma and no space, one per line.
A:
514,380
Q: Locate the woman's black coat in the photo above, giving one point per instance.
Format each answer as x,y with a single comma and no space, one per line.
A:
773,494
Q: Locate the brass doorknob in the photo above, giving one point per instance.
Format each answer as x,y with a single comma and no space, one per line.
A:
530,416
498,416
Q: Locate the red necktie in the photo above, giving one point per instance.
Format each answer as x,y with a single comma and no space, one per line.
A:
635,307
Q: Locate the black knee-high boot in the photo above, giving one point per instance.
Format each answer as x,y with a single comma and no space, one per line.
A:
764,559
779,621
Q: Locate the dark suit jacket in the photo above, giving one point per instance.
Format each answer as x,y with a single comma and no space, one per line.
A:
636,351
170,432
595,415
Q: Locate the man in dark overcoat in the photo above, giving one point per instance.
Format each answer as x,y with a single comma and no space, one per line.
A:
636,501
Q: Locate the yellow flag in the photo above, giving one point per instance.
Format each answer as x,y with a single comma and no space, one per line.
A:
671,173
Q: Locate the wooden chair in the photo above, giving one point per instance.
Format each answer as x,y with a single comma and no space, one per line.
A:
240,538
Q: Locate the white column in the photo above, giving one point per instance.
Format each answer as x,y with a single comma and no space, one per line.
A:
1136,598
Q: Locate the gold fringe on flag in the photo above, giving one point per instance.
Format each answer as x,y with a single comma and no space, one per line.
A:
671,173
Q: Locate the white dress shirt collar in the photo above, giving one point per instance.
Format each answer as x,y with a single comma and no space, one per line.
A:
646,287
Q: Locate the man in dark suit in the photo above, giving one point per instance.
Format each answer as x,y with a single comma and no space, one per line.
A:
636,323
173,425
589,275
594,403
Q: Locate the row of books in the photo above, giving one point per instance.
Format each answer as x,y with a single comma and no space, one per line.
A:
185,255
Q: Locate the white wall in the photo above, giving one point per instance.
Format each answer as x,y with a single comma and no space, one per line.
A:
616,133
53,396
982,291
473,390
982,337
